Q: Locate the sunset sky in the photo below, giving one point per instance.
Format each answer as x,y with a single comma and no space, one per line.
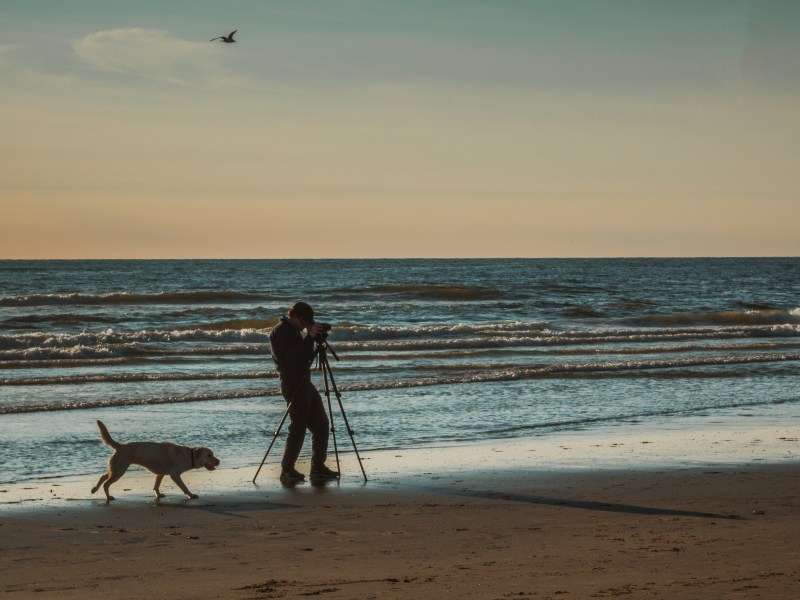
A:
406,128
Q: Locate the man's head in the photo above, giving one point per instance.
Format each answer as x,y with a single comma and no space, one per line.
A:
303,312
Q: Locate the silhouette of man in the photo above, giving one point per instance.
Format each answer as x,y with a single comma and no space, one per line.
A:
293,354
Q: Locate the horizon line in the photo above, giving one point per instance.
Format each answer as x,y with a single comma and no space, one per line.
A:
617,257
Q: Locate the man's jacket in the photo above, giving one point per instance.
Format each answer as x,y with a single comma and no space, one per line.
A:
291,351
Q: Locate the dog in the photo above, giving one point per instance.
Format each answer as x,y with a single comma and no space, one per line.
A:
160,458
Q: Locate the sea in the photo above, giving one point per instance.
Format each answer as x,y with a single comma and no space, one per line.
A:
423,353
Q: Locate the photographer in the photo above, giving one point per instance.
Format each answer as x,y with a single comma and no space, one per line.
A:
293,354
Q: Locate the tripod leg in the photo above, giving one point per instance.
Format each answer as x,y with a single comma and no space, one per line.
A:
352,439
327,367
274,437
330,416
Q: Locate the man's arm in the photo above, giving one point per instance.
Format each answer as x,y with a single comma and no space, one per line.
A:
291,348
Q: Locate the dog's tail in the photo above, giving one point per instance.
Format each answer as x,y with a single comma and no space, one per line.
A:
107,436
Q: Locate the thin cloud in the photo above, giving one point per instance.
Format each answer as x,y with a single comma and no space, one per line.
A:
153,54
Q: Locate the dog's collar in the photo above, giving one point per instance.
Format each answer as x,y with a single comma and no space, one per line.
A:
191,452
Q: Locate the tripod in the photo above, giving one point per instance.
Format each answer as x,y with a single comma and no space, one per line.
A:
321,355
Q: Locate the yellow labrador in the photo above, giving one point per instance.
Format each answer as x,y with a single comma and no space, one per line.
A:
161,458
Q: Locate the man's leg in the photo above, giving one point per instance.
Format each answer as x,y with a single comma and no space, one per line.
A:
320,428
298,415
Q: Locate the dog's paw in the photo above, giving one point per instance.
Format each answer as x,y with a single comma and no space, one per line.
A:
193,496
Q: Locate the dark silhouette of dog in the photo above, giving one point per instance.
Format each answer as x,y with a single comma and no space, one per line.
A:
160,458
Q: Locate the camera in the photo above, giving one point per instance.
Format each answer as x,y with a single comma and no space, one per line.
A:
323,334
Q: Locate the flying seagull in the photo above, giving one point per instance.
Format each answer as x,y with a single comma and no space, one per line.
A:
227,39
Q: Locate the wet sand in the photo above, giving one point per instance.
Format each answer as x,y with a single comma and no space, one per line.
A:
497,529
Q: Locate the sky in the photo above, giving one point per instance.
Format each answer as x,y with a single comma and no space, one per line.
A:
399,128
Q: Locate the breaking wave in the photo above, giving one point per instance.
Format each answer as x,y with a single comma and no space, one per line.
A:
356,338
138,377
590,370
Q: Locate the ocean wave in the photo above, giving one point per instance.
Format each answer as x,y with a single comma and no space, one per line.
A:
756,306
418,290
571,369
521,335
257,331
573,287
254,330
356,332
118,298
726,318
8,357
86,356
582,312
111,337
624,369
579,350
60,320
553,339
86,404
60,363
238,325
138,377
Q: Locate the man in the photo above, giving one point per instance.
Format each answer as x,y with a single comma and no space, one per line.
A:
293,354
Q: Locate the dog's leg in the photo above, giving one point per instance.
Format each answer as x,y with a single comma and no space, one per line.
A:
179,482
157,486
99,483
107,485
116,469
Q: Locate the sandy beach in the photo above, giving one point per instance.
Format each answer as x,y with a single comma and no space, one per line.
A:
495,531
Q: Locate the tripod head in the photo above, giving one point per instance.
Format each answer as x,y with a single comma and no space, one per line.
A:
322,334
321,349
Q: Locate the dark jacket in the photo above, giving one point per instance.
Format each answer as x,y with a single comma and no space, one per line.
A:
291,351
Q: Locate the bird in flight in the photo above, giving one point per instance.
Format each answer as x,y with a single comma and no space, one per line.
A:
227,39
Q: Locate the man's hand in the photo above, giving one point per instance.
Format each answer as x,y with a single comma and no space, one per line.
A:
314,330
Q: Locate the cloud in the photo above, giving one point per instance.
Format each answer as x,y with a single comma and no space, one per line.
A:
154,54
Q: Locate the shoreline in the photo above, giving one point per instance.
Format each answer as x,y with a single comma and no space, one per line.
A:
628,448
708,511
679,533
